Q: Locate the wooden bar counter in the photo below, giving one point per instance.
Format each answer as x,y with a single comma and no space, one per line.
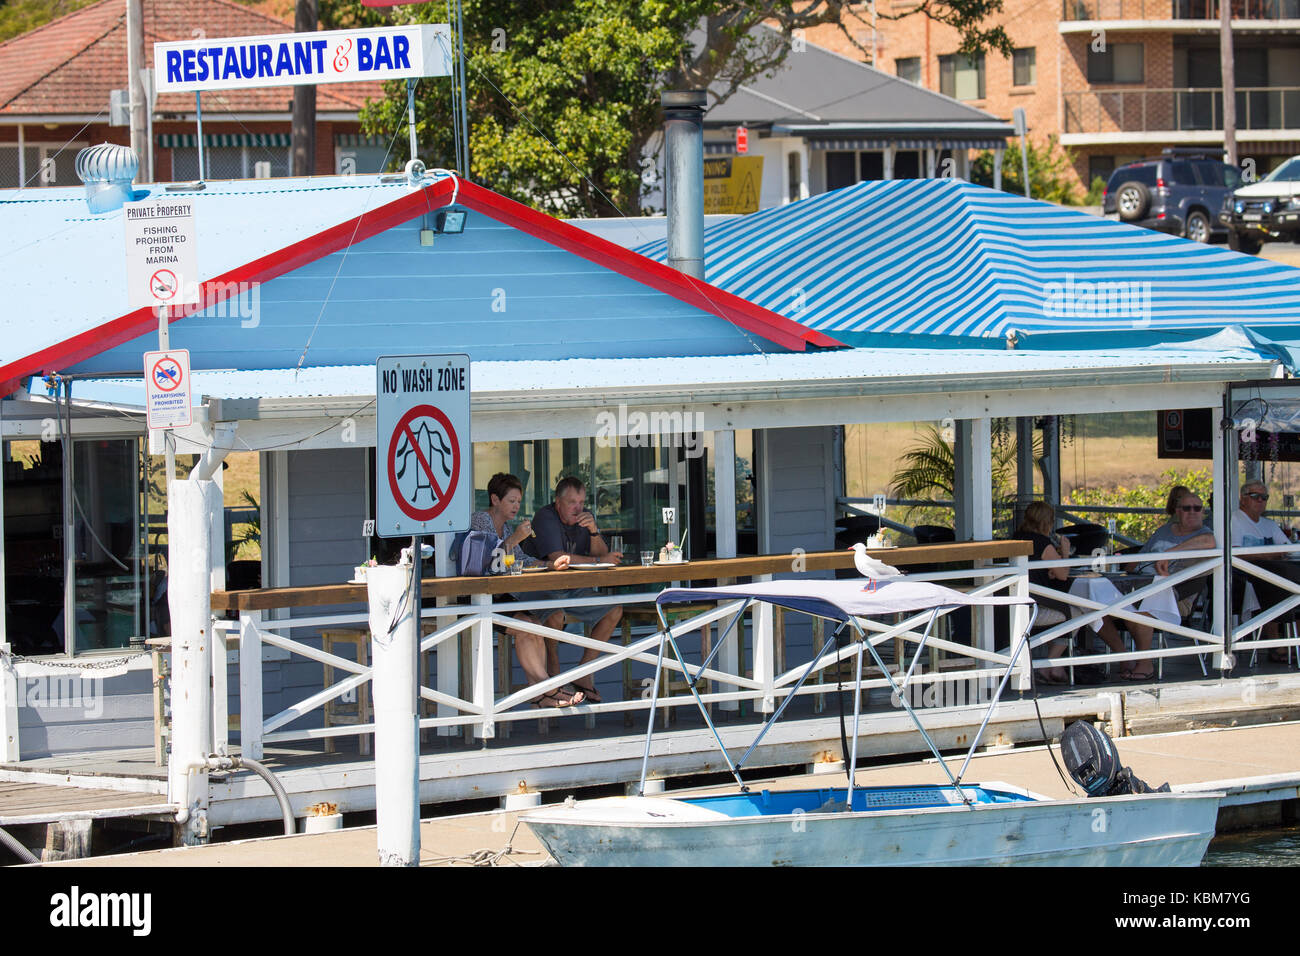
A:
623,576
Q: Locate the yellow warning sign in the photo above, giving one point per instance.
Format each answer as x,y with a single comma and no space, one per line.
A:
732,184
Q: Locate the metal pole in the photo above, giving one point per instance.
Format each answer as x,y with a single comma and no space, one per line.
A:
69,528
198,116
394,629
857,715
410,118
464,103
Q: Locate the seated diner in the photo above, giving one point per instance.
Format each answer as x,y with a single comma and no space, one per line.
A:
1036,528
1184,531
566,530
537,655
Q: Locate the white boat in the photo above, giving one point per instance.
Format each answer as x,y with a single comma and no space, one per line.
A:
955,824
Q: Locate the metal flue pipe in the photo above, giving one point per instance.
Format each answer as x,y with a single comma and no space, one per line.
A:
684,174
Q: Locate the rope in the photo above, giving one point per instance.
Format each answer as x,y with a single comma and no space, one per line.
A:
488,857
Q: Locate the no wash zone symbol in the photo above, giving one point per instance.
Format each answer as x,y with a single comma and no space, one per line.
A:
423,466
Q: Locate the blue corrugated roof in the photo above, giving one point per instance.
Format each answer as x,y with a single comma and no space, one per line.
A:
956,264
337,274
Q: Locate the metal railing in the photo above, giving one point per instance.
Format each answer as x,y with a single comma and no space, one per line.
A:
1177,9
1187,109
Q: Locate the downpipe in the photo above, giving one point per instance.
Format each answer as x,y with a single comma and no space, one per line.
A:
219,762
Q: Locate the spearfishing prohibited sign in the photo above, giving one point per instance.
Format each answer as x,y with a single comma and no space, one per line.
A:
167,388
423,479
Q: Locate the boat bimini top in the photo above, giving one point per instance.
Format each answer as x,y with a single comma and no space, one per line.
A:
844,601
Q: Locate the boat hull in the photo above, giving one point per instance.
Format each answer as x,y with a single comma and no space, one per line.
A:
1138,830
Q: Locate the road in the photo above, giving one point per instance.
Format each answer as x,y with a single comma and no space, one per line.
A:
1287,253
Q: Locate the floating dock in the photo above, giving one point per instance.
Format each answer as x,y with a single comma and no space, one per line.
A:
1258,768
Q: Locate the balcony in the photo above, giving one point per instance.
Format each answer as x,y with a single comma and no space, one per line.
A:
1108,113
1113,10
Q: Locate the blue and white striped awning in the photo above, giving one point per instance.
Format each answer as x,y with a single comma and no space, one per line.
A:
958,265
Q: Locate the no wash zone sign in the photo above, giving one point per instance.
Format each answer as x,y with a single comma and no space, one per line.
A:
424,474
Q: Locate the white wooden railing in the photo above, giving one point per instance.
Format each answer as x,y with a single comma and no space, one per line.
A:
478,705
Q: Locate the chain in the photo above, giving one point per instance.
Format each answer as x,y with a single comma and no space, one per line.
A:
98,665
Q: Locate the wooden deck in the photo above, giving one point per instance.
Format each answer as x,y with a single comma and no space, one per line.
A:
32,803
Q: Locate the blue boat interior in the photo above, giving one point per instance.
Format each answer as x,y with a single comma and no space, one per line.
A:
784,802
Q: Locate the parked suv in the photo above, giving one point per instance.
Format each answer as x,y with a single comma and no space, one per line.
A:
1268,209
1181,193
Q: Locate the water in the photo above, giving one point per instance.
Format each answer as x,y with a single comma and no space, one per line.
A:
1274,847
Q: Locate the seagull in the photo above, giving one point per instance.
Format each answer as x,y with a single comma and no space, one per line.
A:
869,567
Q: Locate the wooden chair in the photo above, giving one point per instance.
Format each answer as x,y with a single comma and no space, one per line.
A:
338,713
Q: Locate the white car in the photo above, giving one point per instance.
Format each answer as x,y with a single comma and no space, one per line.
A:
1266,210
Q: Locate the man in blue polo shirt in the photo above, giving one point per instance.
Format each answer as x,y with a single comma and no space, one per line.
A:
566,527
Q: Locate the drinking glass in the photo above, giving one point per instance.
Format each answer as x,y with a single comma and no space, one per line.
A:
616,543
647,558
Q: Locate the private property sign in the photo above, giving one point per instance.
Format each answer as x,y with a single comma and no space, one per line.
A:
423,464
161,261
295,59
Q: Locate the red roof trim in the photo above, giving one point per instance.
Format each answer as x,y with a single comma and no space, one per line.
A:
740,312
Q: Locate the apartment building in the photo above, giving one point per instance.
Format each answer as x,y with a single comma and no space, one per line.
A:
1113,80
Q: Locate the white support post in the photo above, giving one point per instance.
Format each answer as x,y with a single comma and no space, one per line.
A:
395,687
250,685
448,651
220,700
1223,483
931,157
9,741
217,582
483,667
724,495
997,166
764,650
890,152
1020,621
189,555
974,506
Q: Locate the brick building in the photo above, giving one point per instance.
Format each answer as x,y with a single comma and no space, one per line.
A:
56,82
1114,80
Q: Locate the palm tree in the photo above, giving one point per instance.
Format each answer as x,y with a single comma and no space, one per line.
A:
928,470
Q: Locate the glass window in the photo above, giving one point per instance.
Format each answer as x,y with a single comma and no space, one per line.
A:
962,76
1217,174
1287,172
1024,71
1100,166
359,160
230,162
1117,63
1180,173
908,68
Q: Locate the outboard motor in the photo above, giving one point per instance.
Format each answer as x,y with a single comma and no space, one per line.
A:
1093,762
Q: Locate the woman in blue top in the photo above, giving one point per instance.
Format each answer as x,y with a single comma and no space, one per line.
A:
505,495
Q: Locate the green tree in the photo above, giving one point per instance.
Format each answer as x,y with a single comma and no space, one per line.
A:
1050,171
928,470
564,96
